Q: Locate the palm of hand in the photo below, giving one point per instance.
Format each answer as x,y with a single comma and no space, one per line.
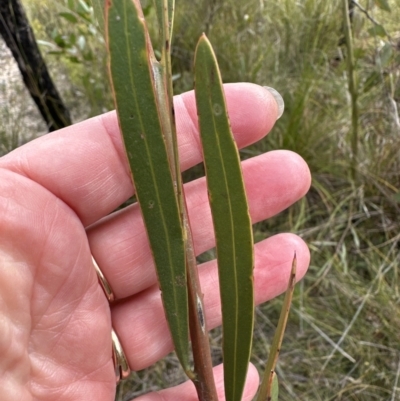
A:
55,337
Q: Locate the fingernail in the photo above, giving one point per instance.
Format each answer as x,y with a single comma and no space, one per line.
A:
278,98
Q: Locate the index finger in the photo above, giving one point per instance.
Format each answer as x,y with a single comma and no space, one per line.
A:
85,164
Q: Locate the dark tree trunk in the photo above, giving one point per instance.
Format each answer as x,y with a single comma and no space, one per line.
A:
19,37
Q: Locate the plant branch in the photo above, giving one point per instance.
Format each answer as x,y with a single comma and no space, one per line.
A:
352,82
202,376
269,377
368,15
203,379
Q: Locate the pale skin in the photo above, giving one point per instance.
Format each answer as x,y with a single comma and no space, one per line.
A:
57,195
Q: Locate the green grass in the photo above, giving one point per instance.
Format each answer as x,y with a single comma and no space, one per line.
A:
342,340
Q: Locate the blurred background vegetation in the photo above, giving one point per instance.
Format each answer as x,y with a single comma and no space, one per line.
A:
342,341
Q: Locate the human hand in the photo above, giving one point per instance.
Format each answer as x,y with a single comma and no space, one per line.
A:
57,195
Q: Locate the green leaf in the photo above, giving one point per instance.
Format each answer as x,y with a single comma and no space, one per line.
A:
73,59
83,8
232,224
69,17
60,41
383,5
386,54
377,30
268,382
130,60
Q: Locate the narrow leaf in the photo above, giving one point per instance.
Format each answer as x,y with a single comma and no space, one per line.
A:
377,30
386,55
383,5
232,224
69,17
83,8
268,386
131,69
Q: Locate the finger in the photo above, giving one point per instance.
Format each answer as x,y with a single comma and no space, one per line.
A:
187,392
119,243
140,322
85,165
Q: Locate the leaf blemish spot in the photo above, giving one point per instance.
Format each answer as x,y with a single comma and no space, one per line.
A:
217,109
180,281
117,18
151,204
200,314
